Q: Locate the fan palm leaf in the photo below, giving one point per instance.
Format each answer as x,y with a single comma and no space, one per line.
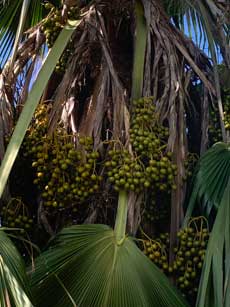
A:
9,17
94,265
212,175
85,266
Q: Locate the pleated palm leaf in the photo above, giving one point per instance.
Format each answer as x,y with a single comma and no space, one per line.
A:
9,19
212,175
14,289
94,265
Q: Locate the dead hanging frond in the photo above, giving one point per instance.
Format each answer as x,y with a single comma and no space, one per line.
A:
74,77
118,91
86,117
170,59
97,106
205,122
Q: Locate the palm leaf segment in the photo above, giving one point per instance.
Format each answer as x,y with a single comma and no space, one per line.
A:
86,267
214,289
13,280
9,17
213,173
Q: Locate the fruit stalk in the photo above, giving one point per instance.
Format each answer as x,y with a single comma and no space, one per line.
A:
121,217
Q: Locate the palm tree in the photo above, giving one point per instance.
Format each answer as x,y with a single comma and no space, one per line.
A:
118,51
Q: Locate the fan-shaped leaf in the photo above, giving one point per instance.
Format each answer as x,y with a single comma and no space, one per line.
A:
9,17
212,175
86,267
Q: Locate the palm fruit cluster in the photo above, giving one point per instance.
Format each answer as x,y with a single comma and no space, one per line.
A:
157,251
146,134
189,255
149,165
148,138
36,131
16,215
125,172
63,175
161,173
52,26
156,208
190,164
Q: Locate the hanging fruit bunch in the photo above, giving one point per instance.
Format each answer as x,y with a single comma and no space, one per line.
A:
64,176
190,164
146,134
156,208
148,139
16,215
125,172
157,251
37,130
189,254
52,26
19,184
149,165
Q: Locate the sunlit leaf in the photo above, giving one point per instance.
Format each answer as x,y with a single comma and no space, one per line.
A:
9,21
85,266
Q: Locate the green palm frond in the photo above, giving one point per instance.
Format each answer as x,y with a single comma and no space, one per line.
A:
213,173
214,288
9,19
85,266
14,289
